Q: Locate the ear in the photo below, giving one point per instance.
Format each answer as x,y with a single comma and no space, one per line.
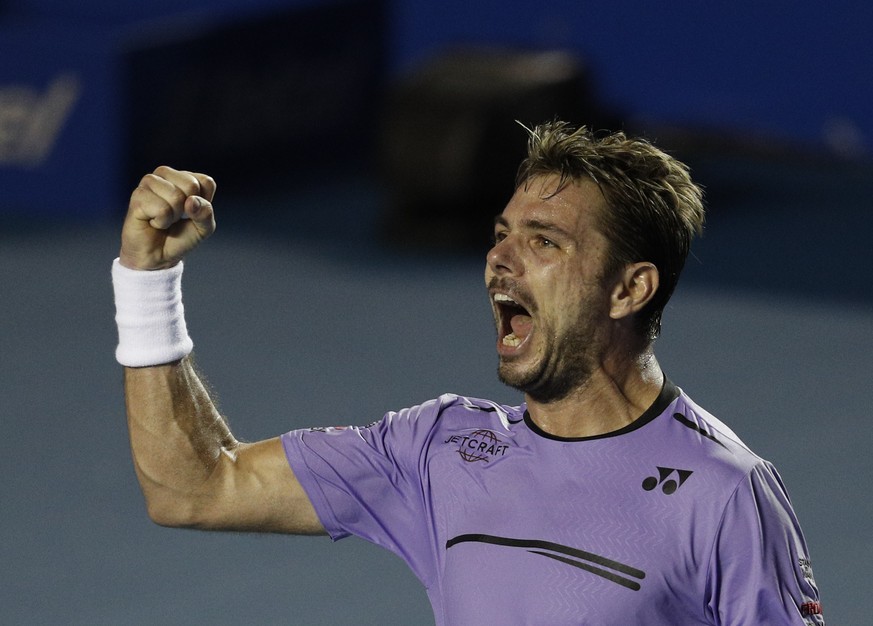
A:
634,288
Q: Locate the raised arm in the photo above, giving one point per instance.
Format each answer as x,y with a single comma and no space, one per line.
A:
192,470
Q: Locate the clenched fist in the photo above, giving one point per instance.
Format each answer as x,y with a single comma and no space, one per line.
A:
170,213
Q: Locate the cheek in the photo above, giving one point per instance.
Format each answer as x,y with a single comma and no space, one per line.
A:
580,300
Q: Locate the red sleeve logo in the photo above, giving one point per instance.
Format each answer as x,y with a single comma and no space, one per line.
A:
811,608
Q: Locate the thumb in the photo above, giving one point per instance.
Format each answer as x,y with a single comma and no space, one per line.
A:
199,211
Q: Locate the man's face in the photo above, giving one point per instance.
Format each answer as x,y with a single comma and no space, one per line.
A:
545,279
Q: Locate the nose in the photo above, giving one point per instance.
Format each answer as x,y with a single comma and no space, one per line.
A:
502,258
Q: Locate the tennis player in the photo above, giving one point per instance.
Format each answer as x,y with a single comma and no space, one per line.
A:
608,497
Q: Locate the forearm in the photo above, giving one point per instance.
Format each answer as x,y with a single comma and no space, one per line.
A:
192,471
177,437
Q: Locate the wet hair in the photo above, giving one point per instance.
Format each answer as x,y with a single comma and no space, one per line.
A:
653,208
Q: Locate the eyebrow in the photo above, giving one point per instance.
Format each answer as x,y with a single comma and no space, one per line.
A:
534,224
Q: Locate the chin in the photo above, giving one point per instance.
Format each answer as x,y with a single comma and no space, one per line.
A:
537,385
511,377
528,382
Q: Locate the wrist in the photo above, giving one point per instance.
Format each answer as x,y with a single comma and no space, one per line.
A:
133,262
149,315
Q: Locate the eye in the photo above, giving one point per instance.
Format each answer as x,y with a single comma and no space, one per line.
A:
498,237
545,242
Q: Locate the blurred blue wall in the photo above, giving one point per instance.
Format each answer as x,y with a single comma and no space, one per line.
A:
796,72
794,69
799,69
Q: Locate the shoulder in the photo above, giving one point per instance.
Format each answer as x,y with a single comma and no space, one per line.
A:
755,543
691,440
451,408
721,443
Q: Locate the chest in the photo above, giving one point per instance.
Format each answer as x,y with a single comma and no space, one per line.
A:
601,531
485,477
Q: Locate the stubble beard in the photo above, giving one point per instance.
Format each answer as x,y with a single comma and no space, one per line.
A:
565,365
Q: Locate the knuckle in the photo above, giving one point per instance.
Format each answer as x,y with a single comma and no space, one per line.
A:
208,185
147,181
163,215
179,184
164,210
177,196
188,185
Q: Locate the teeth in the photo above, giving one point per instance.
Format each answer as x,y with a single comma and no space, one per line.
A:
511,340
502,297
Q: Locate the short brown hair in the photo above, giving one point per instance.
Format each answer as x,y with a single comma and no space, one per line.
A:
654,208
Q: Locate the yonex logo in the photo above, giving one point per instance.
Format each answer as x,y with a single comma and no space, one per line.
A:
669,478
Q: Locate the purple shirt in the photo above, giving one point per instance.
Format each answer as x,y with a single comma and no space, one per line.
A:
671,520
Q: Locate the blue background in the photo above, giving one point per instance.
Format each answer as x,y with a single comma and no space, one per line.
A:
795,74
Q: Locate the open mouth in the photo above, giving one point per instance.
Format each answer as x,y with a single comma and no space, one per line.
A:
514,321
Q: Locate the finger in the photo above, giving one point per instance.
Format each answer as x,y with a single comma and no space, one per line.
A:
207,190
207,185
157,201
201,214
164,214
149,208
186,182
170,189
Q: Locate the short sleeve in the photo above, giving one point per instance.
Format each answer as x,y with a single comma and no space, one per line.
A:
367,481
759,570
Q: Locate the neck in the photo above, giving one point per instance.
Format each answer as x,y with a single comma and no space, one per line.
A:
609,399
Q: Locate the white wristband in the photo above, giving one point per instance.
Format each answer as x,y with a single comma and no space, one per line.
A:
150,316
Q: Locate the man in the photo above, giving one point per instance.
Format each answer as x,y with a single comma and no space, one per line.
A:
608,497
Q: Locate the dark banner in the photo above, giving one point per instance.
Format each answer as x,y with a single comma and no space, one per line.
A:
85,110
292,90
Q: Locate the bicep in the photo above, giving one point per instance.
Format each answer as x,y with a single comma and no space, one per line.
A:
254,489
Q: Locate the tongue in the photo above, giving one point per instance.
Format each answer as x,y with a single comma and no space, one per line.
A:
521,325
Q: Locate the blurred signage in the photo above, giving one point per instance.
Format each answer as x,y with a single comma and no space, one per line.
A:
30,120
59,134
